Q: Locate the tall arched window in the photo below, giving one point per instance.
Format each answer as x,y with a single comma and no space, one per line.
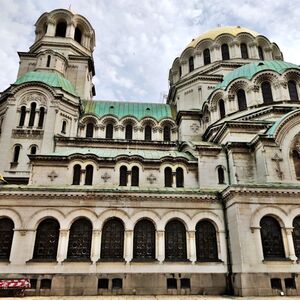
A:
89,170
175,241
271,238
32,114
78,35
89,130
241,97
260,53
135,176
167,133
80,240
206,56
63,127
222,109
123,176
33,150
46,240
76,174
168,177
296,235
144,240
292,86
225,52
61,29
180,72
179,177
109,131
244,51
191,63
22,116
221,177
206,241
266,92
16,153
6,237
148,133
296,160
41,117
112,240
128,132
48,61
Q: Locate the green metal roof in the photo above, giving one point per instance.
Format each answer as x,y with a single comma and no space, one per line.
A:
249,70
122,109
50,78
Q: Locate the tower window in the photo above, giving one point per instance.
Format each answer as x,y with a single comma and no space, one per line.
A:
191,64
16,154
168,177
76,174
180,71
123,176
41,117
33,150
221,177
103,283
179,177
6,237
241,97
225,52
117,283
266,92
89,170
171,283
32,114
22,116
244,51
128,132
48,61
89,130
135,176
109,131
78,35
61,29
148,133
167,133
293,90
260,53
63,127
222,108
206,56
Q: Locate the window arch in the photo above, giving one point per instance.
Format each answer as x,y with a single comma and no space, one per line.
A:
148,133
260,53
80,240
221,175
144,240
222,108
225,52
241,97
61,29
89,130
296,161
112,240
167,133
78,35
128,132
179,177
296,235
33,150
32,114
16,154
48,61
267,92
244,51
271,238
41,117
64,127
175,241
22,116
168,177
191,64
123,176
206,241
135,176
76,174
46,241
292,86
109,131
6,237
89,170
206,56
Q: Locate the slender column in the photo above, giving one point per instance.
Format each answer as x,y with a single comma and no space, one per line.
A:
128,178
36,119
191,235
160,242
128,245
290,242
62,249
260,252
222,246
96,244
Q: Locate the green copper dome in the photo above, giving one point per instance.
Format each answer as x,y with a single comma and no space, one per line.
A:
249,70
52,79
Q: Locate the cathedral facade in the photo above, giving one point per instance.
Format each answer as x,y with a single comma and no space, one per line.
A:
195,196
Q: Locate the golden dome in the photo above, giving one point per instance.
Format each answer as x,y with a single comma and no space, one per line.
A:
214,33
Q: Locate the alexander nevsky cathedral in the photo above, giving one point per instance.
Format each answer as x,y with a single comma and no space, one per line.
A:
196,196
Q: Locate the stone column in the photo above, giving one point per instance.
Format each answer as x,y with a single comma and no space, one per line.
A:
128,178
290,242
257,239
128,245
222,249
160,245
191,236
62,249
96,244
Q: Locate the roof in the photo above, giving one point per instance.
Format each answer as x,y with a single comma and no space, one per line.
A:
52,79
214,33
122,109
249,70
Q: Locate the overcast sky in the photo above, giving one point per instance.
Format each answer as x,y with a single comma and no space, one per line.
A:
137,40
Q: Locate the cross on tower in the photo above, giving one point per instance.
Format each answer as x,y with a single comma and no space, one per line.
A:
52,175
105,177
277,161
151,178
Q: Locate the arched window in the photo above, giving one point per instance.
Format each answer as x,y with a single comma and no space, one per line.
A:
222,109
41,117
191,63
244,51
167,133
206,241
63,127
135,176
180,72
89,130
296,160
32,114
225,52
22,116
296,235
179,177
144,240
148,133
33,150
293,90
80,240
48,61
46,240
109,132
175,241
76,174
168,177
206,56
123,176
16,153
241,97
89,170
271,238
112,240
260,53
128,132
6,237
266,92
221,177
78,35
61,29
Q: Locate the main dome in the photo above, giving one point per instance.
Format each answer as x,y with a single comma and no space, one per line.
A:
214,33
